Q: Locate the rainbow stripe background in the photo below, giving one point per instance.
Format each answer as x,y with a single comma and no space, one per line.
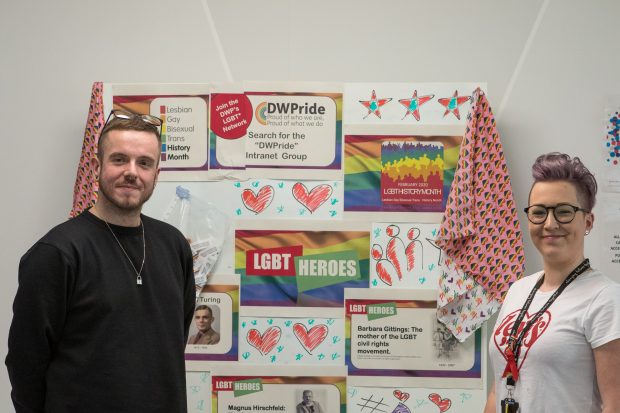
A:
282,290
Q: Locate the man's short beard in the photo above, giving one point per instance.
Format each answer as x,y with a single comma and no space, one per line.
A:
124,207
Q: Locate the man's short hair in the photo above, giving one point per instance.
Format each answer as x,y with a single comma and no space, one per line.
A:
134,123
204,307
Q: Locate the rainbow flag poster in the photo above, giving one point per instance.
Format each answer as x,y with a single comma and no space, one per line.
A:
399,173
300,268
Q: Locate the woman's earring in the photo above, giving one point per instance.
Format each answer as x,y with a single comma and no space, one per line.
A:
587,232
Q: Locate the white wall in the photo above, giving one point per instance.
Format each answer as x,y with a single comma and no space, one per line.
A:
548,66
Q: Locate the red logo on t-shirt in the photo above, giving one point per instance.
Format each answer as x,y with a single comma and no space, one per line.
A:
501,334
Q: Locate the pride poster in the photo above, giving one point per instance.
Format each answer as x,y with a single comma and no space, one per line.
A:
295,131
219,299
412,173
394,339
265,389
300,267
183,110
398,173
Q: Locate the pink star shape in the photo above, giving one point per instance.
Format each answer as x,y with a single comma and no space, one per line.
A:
452,103
374,105
413,104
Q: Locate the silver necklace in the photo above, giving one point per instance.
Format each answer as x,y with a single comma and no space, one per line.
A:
138,273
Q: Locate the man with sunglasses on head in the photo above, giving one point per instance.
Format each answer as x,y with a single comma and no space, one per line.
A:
105,300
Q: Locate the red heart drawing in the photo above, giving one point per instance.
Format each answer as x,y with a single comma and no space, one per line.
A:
400,395
257,203
443,404
310,339
265,342
313,199
501,334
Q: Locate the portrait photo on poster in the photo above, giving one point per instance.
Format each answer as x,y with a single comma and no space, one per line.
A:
211,328
310,401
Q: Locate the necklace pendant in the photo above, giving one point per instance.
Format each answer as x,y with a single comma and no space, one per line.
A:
138,273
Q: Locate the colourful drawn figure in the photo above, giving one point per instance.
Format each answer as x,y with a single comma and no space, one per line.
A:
444,341
413,104
314,198
395,251
257,203
452,104
401,408
414,245
266,341
400,261
374,105
385,269
310,339
402,397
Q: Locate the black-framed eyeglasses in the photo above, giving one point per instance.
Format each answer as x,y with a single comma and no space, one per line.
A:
563,213
126,115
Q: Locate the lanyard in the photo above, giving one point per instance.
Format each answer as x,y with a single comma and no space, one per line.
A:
511,372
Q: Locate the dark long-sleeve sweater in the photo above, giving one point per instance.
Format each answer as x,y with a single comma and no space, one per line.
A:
85,337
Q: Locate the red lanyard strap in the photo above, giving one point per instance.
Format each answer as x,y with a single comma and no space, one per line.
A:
514,341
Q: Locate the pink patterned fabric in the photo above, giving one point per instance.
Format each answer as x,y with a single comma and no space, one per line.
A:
480,234
86,186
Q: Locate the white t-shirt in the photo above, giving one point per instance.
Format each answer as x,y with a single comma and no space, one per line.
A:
556,362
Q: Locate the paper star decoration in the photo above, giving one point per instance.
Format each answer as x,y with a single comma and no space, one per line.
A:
413,104
374,105
452,103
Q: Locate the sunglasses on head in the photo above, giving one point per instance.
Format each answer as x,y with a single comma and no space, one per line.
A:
126,115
